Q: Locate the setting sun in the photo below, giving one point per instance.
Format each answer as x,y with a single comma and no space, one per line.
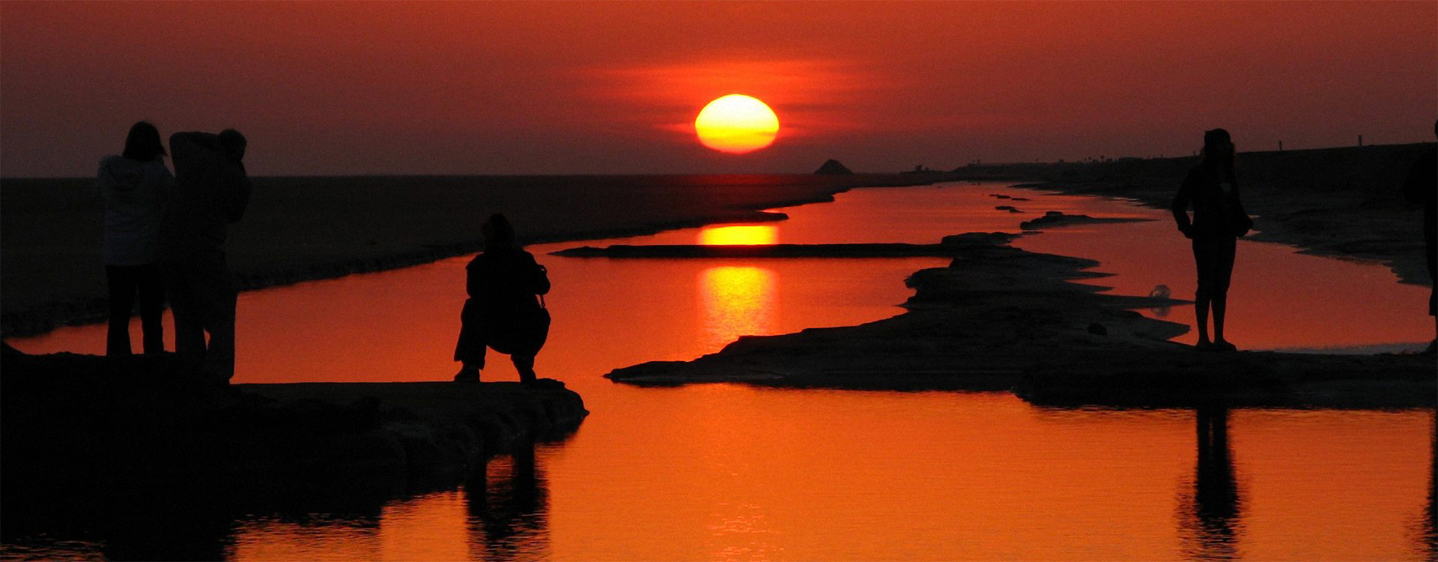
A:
736,124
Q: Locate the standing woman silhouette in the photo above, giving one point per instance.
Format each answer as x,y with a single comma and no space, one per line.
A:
1218,220
135,186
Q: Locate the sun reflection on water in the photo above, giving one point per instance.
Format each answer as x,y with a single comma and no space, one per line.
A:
739,235
738,301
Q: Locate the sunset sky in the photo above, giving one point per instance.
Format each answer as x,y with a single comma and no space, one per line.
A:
553,88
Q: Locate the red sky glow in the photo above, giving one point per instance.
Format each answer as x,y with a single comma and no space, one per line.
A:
555,88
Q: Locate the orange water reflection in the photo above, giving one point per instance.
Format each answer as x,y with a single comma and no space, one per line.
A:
729,472
738,301
739,235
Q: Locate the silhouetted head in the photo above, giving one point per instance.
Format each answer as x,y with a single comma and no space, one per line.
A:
1217,147
498,233
143,143
234,143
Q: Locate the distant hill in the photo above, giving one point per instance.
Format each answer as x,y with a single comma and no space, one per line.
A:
833,167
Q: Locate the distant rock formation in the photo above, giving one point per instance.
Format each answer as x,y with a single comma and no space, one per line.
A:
832,167
1058,218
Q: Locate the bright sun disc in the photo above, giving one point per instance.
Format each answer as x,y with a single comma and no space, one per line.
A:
736,124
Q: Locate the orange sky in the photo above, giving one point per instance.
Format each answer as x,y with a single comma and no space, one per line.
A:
360,88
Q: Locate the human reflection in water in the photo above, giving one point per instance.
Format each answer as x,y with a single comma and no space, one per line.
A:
1210,522
508,509
1430,519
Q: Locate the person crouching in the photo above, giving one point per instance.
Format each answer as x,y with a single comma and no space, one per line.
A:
502,312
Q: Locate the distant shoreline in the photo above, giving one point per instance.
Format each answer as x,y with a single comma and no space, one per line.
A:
1342,202
309,228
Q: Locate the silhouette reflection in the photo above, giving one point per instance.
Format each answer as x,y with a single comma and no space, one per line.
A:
1210,521
1430,519
738,301
508,506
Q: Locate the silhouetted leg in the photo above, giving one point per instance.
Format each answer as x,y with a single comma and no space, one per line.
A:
189,327
121,281
217,310
472,346
1201,298
1224,252
152,309
1220,309
1200,308
525,365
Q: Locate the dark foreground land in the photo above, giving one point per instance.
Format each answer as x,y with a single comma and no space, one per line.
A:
130,457
79,417
300,228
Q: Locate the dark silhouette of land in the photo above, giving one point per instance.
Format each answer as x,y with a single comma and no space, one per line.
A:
1342,202
1057,218
832,167
1000,318
178,516
777,251
80,415
302,228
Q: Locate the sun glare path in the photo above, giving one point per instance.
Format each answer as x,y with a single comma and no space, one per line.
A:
738,301
739,235
736,124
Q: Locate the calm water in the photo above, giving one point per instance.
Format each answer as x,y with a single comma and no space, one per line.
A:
731,472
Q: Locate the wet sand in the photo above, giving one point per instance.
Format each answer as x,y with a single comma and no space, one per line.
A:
1000,318
1342,202
304,228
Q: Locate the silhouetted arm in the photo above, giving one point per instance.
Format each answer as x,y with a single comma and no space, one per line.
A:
1246,222
474,278
539,283
1180,206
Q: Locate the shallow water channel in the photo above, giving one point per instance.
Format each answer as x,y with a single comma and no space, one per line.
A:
728,472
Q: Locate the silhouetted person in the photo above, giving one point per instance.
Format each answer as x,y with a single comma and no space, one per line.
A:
508,516
1218,220
502,312
1422,187
1214,510
135,186
212,190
